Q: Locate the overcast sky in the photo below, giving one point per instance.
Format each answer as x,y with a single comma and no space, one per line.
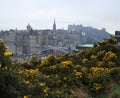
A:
40,14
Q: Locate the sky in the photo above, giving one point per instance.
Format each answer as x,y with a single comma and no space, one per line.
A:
40,14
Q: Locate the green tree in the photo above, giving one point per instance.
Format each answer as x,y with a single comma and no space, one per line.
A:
4,55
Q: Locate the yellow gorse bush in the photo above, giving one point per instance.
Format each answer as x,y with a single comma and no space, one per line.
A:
95,71
26,81
46,89
66,64
109,56
111,64
24,63
101,53
53,67
8,54
93,57
42,84
84,60
78,74
65,78
84,69
28,73
25,96
97,86
99,64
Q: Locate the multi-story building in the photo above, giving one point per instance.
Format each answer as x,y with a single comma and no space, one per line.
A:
30,41
117,36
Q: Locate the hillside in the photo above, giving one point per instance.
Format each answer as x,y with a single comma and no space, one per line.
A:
94,72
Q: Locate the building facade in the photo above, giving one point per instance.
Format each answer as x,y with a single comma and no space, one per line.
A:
30,41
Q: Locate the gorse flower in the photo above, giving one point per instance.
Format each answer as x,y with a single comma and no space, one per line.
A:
99,64
8,54
53,67
25,96
42,84
46,89
66,63
65,78
84,60
93,57
78,74
111,64
96,87
96,71
109,56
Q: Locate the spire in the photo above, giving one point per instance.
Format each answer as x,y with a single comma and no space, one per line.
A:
29,28
54,26
54,21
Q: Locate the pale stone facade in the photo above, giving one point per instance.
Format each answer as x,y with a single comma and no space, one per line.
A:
29,41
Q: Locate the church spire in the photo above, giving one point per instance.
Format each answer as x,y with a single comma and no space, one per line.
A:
54,26
54,21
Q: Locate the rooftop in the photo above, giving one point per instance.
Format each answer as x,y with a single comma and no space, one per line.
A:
87,45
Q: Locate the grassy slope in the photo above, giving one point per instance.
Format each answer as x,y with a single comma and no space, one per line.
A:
116,90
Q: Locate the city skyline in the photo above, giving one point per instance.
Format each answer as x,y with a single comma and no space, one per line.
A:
40,14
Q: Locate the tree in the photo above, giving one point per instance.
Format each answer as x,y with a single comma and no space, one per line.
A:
4,55
9,81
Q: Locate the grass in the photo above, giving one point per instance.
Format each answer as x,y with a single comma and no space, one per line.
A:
115,92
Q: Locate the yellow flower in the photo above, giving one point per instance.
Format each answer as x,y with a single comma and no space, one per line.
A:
8,54
97,86
25,96
84,60
46,94
93,57
28,96
66,64
46,76
46,89
99,64
26,82
64,78
78,74
42,84
109,56
96,71
84,69
111,64
53,67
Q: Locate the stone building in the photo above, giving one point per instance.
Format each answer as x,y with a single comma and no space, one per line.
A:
30,41
117,36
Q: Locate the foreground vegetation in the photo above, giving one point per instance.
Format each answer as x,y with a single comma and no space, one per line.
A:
89,73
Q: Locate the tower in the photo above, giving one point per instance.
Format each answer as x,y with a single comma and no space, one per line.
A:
29,28
54,27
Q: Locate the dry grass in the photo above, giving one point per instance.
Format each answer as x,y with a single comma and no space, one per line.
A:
79,93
